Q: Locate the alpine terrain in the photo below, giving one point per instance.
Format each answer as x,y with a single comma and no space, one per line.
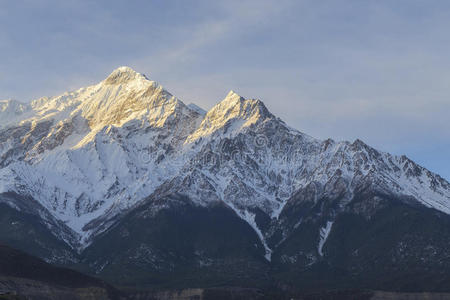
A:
124,181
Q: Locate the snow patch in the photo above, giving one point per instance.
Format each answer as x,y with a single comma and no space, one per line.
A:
324,233
250,219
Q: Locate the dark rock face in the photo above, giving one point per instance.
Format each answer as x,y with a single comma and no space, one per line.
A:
183,246
30,278
398,248
29,227
377,243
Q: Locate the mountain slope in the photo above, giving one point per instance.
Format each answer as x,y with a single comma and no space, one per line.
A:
27,276
26,225
96,151
182,246
104,161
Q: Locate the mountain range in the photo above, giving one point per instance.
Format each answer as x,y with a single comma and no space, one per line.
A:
123,181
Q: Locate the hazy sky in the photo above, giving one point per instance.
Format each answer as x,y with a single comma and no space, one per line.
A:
377,70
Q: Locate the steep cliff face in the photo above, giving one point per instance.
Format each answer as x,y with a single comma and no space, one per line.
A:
88,160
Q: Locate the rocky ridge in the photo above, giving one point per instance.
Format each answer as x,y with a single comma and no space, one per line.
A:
89,156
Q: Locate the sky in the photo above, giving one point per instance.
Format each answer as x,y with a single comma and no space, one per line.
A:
374,70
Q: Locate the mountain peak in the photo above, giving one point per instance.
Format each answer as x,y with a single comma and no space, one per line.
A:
122,75
11,102
233,113
233,96
238,106
11,111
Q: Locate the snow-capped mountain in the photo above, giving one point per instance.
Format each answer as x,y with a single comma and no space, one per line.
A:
93,153
12,111
91,158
